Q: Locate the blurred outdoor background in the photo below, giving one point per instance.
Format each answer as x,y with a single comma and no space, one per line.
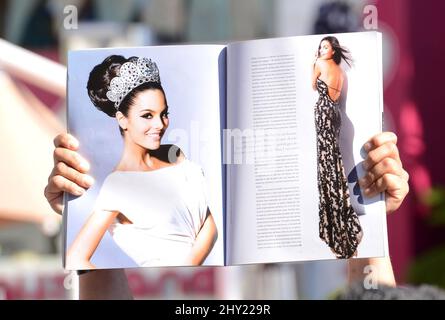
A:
32,112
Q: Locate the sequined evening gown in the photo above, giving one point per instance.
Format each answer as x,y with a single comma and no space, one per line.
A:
339,225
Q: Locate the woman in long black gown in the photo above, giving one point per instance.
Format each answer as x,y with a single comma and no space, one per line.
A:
339,224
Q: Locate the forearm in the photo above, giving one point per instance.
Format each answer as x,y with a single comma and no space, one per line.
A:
378,269
204,242
78,259
87,240
109,284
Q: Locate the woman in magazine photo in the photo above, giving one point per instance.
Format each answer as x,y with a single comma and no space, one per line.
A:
339,225
154,202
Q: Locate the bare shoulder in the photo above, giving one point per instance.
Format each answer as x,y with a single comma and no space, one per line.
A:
339,73
321,63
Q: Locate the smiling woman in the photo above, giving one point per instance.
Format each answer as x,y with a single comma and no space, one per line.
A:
154,202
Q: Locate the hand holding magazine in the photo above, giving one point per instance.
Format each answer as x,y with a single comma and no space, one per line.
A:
225,155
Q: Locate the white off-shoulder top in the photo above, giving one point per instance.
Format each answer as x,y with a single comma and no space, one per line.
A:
167,208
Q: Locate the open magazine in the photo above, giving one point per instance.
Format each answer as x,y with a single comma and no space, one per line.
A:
232,154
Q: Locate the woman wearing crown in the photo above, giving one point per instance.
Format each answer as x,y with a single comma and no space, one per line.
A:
154,201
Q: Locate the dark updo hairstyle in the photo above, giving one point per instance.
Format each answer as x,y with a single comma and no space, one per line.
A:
99,84
340,52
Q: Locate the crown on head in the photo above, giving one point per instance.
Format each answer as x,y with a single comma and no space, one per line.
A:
130,75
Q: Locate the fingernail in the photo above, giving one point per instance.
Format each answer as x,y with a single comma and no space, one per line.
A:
84,165
362,182
368,191
73,144
365,165
367,146
88,180
78,191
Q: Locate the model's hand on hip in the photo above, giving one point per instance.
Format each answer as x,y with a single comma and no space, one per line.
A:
69,172
384,171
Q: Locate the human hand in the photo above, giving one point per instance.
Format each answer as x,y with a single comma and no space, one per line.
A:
384,171
69,172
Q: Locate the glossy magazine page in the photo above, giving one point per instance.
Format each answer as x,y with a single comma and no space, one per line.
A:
148,120
302,115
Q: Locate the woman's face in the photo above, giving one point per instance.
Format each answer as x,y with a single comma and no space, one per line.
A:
325,50
147,119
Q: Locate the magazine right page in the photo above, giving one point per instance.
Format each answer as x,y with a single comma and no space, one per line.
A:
299,111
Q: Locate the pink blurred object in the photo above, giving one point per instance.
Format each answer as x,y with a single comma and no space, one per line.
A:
33,68
411,128
27,130
51,100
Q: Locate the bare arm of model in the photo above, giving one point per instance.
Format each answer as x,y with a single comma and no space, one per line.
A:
85,244
204,241
70,174
384,174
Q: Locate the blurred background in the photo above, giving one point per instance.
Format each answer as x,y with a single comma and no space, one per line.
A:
34,38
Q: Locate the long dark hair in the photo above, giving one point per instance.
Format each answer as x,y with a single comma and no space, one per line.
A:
339,51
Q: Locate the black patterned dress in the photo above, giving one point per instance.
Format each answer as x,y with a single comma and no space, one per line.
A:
339,225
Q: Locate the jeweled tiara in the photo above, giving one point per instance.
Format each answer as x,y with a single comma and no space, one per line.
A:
130,75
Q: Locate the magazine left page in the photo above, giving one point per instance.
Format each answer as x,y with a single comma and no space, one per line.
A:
148,120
